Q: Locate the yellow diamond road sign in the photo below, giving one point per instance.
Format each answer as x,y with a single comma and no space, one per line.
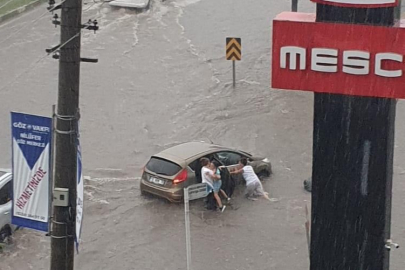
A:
233,49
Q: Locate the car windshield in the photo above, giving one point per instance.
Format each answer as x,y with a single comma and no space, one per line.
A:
162,166
246,153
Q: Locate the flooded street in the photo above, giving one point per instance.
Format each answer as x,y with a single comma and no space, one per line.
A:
162,79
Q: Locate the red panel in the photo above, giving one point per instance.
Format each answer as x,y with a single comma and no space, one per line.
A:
297,29
363,4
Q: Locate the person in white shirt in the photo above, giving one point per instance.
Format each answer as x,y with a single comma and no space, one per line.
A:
208,177
254,187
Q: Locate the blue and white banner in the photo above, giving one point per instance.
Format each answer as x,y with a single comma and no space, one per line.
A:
31,148
80,196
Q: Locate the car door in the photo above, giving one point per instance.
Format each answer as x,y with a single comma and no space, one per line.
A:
230,159
5,204
195,167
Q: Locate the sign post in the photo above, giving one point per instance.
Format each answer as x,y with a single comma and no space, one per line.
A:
192,192
294,5
347,54
233,53
233,74
307,229
187,224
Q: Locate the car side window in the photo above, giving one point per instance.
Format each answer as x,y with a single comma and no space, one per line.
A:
5,193
196,163
228,158
196,167
193,165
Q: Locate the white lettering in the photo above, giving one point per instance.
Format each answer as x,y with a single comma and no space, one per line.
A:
379,57
355,62
21,141
324,60
355,66
294,52
40,128
19,125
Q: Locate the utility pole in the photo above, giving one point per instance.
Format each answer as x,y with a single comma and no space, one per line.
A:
294,5
63,220
353,146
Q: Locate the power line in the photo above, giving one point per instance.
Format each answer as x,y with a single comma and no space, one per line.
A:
40,17
14,20
33,65
89,7
6,4
30,23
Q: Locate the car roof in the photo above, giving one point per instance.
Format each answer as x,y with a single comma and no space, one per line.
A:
184,152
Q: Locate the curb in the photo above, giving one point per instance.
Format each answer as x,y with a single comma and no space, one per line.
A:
20,10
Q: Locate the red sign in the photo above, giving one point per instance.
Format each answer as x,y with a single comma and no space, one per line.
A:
347,59
359,3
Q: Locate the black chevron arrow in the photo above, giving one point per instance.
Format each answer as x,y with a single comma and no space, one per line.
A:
234,56
234,46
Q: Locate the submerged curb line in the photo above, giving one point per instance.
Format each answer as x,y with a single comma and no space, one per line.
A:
20,10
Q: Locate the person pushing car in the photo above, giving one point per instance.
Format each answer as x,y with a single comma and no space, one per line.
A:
254,187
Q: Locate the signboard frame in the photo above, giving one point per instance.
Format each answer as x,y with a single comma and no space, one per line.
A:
359,4
80,194
305,68
31,170
233,48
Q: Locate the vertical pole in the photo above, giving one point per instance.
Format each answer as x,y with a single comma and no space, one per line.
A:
187,223
64,218
234,73
353,145
52,166
307,228
294,5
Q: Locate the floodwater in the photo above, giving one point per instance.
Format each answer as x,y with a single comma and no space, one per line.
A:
162,79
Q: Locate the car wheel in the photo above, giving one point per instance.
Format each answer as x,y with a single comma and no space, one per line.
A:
143,193
263,174
4,233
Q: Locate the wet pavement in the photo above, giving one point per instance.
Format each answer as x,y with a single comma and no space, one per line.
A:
162,79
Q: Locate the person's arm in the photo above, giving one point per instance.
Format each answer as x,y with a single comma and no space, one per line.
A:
237,171
212,176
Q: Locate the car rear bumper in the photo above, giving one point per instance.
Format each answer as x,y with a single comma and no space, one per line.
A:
173,195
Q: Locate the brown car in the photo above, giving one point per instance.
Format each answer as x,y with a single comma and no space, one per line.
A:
168,172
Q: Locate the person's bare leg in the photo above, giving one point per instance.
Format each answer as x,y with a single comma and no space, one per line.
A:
223,193
218,199
260,191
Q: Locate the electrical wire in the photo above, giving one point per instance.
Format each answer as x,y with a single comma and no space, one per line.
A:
33,65
31,23
6,4
95,2
41,16
89,7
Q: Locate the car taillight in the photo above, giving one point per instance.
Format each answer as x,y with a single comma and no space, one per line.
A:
181,177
